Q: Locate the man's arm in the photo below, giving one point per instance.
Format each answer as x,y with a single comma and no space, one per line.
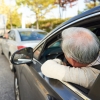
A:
54,69
81,76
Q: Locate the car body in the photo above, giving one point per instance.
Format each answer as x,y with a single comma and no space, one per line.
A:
16,39
29,81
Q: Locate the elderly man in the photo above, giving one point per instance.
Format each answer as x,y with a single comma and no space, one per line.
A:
81,50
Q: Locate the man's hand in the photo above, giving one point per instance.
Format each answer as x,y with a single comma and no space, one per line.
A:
58,61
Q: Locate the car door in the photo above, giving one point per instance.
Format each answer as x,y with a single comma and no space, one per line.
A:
35,86
4,44
47,50
10,44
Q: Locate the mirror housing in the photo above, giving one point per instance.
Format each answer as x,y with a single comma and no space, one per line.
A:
22,56
1,36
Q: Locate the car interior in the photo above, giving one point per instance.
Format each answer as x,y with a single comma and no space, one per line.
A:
53,50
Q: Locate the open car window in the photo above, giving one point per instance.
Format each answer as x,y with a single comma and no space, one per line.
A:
55,44
51,49
54,50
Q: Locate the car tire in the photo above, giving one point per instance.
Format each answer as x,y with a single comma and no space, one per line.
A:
2,52
11,65
16,87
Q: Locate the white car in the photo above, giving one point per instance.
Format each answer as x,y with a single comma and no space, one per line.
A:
20,38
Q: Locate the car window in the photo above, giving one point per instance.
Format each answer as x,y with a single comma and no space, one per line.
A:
55,44
31,35
97,32
52,48
49,53
37,52
12,35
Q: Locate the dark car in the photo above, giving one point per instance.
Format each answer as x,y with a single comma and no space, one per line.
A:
31,84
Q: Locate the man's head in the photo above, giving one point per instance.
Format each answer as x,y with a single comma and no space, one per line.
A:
80,45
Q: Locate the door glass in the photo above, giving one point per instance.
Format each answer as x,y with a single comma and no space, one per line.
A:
55,44
12,35
32,35
37,52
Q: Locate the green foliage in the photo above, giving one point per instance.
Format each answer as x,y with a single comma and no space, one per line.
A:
10,11
39,7
15,19
90,5
48,24
8,26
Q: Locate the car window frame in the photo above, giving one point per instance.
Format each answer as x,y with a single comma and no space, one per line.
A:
81,22
58,33
38,51
26,37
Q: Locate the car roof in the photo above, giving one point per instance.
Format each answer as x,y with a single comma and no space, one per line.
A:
27,29
86,13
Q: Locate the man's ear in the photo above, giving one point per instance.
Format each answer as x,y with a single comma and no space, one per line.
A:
74,62
70,60
77,64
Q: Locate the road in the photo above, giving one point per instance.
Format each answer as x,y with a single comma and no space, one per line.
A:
6,80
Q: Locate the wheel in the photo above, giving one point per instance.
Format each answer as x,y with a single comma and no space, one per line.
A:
16,87
11,65
2,52
60,56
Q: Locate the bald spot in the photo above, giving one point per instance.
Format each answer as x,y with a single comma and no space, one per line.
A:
82,36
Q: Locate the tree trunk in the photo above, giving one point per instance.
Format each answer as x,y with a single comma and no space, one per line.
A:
37,22
94,3
10,20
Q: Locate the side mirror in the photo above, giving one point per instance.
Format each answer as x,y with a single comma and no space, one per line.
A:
22,56
1,36
4,37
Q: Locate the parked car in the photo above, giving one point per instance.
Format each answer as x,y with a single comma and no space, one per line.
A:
31,84
16,39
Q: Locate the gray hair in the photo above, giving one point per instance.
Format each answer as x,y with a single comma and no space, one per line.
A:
80,44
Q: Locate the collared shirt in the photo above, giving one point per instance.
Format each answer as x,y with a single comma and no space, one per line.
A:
84,76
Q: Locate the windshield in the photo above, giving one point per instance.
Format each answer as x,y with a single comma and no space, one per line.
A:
31,35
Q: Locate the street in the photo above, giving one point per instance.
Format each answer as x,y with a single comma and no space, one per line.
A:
6,79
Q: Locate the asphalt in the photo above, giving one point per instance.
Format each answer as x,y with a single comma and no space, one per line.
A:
6,80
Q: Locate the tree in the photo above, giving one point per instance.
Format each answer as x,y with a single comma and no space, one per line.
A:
9,11
63,4
16,20
92,3
39,7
